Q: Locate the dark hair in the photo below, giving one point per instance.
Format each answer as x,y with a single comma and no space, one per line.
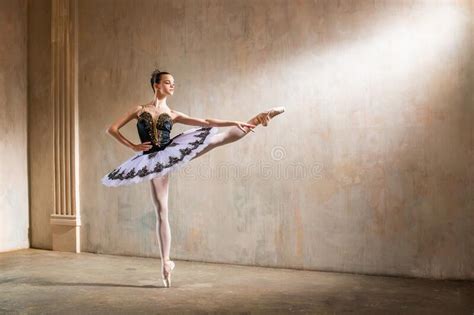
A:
156,77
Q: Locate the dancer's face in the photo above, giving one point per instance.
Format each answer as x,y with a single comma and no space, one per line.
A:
166,85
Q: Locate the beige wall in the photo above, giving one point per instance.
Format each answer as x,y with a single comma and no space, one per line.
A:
14,219
379,112
40,119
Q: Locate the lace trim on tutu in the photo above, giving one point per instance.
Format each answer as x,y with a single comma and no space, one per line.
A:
175,155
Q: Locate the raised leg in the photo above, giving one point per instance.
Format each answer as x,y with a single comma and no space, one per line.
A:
159,193
234,133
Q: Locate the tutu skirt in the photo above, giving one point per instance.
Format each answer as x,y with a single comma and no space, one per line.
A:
179,151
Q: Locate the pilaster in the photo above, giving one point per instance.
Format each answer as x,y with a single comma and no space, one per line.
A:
65,220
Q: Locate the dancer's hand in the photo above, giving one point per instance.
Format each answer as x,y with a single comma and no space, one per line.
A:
241,126
142,146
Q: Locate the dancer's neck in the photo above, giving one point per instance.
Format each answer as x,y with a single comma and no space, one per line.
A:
159,103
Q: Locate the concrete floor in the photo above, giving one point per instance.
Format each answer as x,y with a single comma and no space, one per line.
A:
45,282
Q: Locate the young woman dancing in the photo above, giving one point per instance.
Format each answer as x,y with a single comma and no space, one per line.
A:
158,154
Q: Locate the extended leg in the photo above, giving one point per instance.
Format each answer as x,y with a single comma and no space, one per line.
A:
234,133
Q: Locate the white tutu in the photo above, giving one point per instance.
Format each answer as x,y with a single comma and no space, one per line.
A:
180,150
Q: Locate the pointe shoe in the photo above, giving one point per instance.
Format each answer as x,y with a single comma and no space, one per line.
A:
264,117
168,266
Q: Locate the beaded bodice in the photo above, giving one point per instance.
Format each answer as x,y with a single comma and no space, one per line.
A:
154,129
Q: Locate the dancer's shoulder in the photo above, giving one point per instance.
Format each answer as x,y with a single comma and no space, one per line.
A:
139,109
177,113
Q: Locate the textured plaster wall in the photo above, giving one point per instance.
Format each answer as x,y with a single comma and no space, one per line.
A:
40,118
14,220
369,170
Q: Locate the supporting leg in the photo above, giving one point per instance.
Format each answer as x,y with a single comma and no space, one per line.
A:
159,193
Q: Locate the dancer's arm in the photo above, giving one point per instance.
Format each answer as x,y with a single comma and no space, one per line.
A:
113,130
209,122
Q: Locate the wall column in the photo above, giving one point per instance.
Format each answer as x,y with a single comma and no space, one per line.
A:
65,219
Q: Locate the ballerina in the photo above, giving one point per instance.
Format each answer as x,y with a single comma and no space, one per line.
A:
158,154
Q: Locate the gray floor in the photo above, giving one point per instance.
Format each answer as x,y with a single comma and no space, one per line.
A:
46,282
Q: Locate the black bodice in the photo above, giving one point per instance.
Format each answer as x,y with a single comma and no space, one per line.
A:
157,131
